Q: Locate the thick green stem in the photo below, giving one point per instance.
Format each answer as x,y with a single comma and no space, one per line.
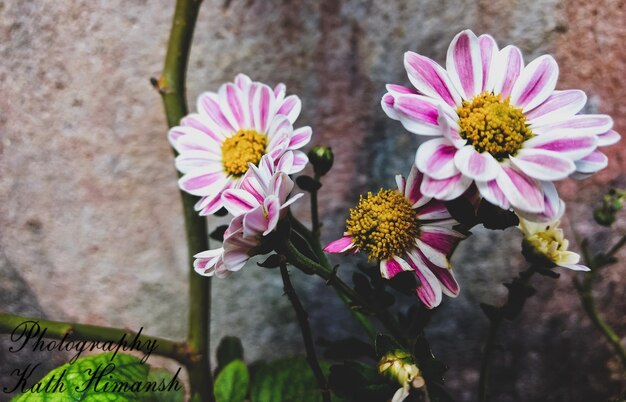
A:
485,372
315,217
171,86
15,324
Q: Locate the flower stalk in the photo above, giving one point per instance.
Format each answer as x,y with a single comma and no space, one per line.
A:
519,291
584,289
171,86
305,328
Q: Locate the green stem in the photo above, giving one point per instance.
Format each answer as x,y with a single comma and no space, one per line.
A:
585,294
305,328
171,86
15,324
315,218
347,294
485,372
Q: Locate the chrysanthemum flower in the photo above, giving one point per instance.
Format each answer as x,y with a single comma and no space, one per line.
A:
257,207
233,129
406,231
545,243
498,123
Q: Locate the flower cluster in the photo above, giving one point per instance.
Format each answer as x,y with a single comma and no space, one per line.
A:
502,133
237,153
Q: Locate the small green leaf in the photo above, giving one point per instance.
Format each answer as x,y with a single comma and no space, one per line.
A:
229,349
231,385
307,183
286,380
123,378
162,377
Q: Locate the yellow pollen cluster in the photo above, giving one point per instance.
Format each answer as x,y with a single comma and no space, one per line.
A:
383,225
551,243
246,146
493,125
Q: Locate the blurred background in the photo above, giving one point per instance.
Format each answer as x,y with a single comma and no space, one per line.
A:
90,219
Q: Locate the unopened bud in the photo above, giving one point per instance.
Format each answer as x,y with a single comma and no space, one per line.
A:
612,203
322,159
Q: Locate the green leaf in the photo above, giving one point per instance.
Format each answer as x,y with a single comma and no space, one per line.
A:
231,385
286,380
229,349
124,378
162,376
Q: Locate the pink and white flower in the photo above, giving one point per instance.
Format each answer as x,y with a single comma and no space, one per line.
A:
497,123
257,207
234,127
406,231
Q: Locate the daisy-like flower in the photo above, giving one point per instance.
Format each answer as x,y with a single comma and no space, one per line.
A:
498,123
234,128
545,243
257,207
406,231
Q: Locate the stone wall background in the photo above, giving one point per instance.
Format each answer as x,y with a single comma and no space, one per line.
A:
90,221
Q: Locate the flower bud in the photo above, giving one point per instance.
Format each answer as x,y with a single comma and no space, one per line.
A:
322,159
612,203
399,366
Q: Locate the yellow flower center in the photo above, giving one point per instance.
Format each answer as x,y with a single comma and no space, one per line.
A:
383,225
246,146
550,243
493,125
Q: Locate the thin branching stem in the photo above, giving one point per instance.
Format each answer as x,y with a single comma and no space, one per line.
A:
305,329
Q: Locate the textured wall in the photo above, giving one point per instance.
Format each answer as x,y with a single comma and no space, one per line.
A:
90,225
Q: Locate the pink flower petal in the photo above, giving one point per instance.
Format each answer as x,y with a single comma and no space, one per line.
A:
299,162
393,266
440,238
491,191
204,125
418,114
209,106
464,64
488,54
430,78
285,162
589,124
554,206
450,129
290,107
243,81
542,164
233,107
592,163
571,145
238,201
300,137
506,70
272,209
559,106
520,190
263,108
412,190
279,92
340,245
449,285
191,160
434,210
536,83
478,166
609,138
203,181
192,139
446,189
254,222
436,158
429,290
387,102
